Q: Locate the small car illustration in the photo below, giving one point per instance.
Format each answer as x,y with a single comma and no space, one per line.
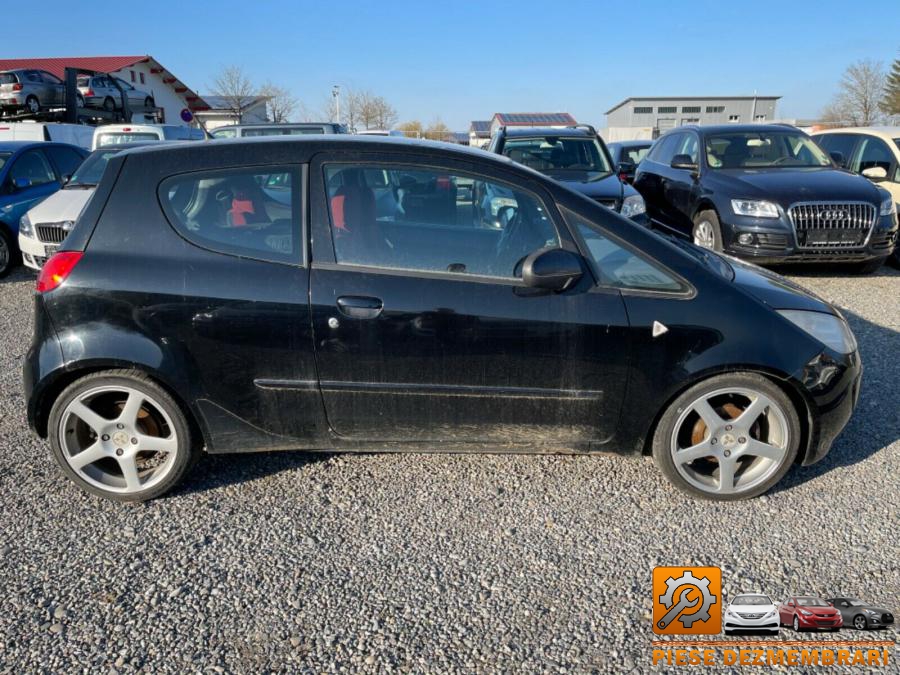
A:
861,615
751,612
806,612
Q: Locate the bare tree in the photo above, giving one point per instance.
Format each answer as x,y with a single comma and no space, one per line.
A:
412,129
385,113
282,105
235,88
860,92
438,131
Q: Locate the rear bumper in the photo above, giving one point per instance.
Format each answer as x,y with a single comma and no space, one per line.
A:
43,364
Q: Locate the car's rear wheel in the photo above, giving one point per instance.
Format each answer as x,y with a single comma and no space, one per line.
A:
109,104
32,105
119,435
707,231
859,622
727,438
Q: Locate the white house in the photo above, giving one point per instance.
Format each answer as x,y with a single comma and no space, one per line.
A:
221,111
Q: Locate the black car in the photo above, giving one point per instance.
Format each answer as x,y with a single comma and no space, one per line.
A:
342,293
861,615
767,193
575,156
626,155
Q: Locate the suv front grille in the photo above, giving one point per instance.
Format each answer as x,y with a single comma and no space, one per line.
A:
830,225
51,233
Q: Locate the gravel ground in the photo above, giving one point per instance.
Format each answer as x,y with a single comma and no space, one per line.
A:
424,563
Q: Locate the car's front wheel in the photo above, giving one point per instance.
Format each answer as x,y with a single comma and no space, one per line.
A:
796,624
7,253
729,437
120,435
859,622
707,231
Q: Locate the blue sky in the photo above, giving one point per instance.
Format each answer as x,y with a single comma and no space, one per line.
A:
466,60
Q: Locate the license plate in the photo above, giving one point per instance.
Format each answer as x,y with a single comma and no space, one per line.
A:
50,249
824,237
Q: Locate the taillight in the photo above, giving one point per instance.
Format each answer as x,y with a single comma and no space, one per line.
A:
17,87
57,269
89,92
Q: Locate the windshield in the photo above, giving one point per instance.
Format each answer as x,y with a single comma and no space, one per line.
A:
763,149
118,138
812,602
558,154
90,171
3,157
751,600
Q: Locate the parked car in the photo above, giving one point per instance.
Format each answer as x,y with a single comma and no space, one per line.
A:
45,227
807,612
862,615
873,152
575,156
100,91
29,172
76,134
767,193
751,612
116,134
190,308
291,129
626,155
27,90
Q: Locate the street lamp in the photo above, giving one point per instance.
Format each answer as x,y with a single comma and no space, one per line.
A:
336,93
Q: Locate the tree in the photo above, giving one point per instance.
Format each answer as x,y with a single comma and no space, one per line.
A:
235,88
412,129
385,113
890,104
860,92
437,131
282,105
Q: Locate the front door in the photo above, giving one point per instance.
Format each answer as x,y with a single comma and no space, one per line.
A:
422,325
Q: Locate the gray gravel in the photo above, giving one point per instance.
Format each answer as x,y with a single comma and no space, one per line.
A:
423,563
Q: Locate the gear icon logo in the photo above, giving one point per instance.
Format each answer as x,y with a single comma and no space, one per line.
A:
687,600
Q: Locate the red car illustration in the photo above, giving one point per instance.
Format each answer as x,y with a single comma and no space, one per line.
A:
806,612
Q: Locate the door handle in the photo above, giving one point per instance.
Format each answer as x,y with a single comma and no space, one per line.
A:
359,307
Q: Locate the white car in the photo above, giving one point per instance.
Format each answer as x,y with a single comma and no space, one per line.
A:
43,228
751,612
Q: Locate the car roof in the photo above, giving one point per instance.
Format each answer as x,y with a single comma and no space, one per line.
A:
733,128
527,132
886,132
268,125
14,146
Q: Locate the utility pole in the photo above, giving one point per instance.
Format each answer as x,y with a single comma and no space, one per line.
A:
336,93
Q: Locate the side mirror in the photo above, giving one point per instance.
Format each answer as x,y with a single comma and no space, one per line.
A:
626,169
66,178
875,173
21,183
554,269
837,158
683,162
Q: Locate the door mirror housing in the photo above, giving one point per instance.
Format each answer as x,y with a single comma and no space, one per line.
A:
684,162
66,178
837,158
21,183
875,173
553,269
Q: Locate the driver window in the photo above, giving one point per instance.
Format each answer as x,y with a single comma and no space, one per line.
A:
428,219
32,167
689,147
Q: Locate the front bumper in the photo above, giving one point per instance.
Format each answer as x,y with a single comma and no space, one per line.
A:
775,241
819,623
831,385
34,252
735,622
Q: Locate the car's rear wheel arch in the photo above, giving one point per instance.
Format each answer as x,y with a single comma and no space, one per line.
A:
53,391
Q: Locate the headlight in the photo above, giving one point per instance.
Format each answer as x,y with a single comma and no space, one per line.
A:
633,206
888,207
754,208
871,612
770,614
25,227
806,612
830,330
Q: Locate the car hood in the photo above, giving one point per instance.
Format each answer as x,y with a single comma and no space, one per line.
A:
62,205
775,290
607,187
789,186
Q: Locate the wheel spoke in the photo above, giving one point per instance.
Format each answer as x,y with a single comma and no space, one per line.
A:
688,455
709,416
88,416
87,456
752,412
130,472
726,475
158,444
759,449
131,409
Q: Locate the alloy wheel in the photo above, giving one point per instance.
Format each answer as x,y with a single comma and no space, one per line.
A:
118,439
796,624
730,440
4,254
704,235
859,622
33,105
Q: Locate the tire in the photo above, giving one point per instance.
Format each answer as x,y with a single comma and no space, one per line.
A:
109,105
707,230
32,105
9,252
796,624
121,396
860,623
149,103
731,457
869,266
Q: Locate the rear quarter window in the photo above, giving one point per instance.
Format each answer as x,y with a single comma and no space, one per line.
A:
249,212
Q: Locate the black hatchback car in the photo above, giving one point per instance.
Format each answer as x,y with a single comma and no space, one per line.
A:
575,156
768,193
343,294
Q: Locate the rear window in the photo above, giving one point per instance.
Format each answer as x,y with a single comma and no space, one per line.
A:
129,137
8,78
244,212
